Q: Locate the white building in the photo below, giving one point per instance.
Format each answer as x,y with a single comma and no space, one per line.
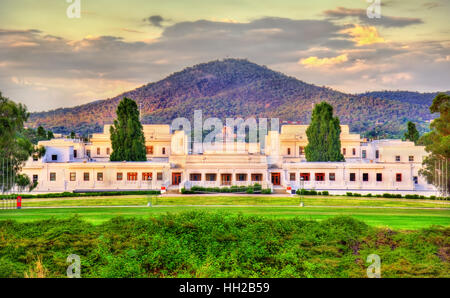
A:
370,167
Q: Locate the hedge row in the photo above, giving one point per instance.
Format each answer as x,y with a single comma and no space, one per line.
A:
232,189
385,195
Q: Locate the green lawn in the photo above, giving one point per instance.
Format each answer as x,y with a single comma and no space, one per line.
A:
139,200
393,218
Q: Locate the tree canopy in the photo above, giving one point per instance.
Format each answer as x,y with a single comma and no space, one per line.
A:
412,134
15,148
127,136
323,133
437,142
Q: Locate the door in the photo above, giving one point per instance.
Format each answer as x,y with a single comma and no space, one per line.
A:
176,178
275,178
226,179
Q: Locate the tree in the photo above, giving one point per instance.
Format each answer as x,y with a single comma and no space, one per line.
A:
127,136
50,135
437,142
72,135
323,134
412,134
15,149
41,132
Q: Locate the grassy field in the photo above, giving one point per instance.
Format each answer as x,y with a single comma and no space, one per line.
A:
393,218
139,200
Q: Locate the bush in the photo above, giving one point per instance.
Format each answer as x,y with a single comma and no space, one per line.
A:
90,194
266,191
349,194
325,193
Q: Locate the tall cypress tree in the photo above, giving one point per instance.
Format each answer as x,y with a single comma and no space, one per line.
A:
127,136
412,134
323,134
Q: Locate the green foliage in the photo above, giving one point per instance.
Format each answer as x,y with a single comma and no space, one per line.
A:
204,244
232,189
127,136
412,134
436,168
323,133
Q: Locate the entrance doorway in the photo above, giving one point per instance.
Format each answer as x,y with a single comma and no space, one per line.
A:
275,178
225,179
176,178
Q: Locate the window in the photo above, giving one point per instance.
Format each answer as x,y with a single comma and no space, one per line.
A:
397,158
75,153
86,176
73,176
99,176
195,177
344,151
292,176
88,153
132,176
98,151
416,180
256,177
146,176
305,176
119,176
332,176
149,149
353,151
35,178
35,158
377,154
365,177
211,177
52,176
108,151
301,150
379,177
320,176
288,151
159,176
398,177
352,177
411,158
164,150
54,157
241,177
364,154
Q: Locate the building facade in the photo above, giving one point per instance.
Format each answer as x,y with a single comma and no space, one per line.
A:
278,163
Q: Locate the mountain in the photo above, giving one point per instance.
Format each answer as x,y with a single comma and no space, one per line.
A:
239,88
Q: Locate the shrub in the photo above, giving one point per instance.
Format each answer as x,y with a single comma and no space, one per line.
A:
325,193
266,191
349,194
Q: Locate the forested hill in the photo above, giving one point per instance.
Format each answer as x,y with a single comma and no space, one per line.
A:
239,88
405,96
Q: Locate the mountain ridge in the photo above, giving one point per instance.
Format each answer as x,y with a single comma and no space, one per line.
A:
240,88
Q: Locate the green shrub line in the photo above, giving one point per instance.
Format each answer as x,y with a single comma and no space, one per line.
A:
218,244
305,192
86,194
252,189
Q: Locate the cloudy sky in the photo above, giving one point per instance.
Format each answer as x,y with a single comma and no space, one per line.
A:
48,60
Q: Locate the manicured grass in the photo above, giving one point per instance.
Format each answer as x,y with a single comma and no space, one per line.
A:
393,218
140,200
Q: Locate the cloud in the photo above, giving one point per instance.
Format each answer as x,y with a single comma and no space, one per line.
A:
314,61
364,35
155,20
361,15
61,72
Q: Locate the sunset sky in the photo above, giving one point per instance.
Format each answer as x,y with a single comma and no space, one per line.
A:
48,60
